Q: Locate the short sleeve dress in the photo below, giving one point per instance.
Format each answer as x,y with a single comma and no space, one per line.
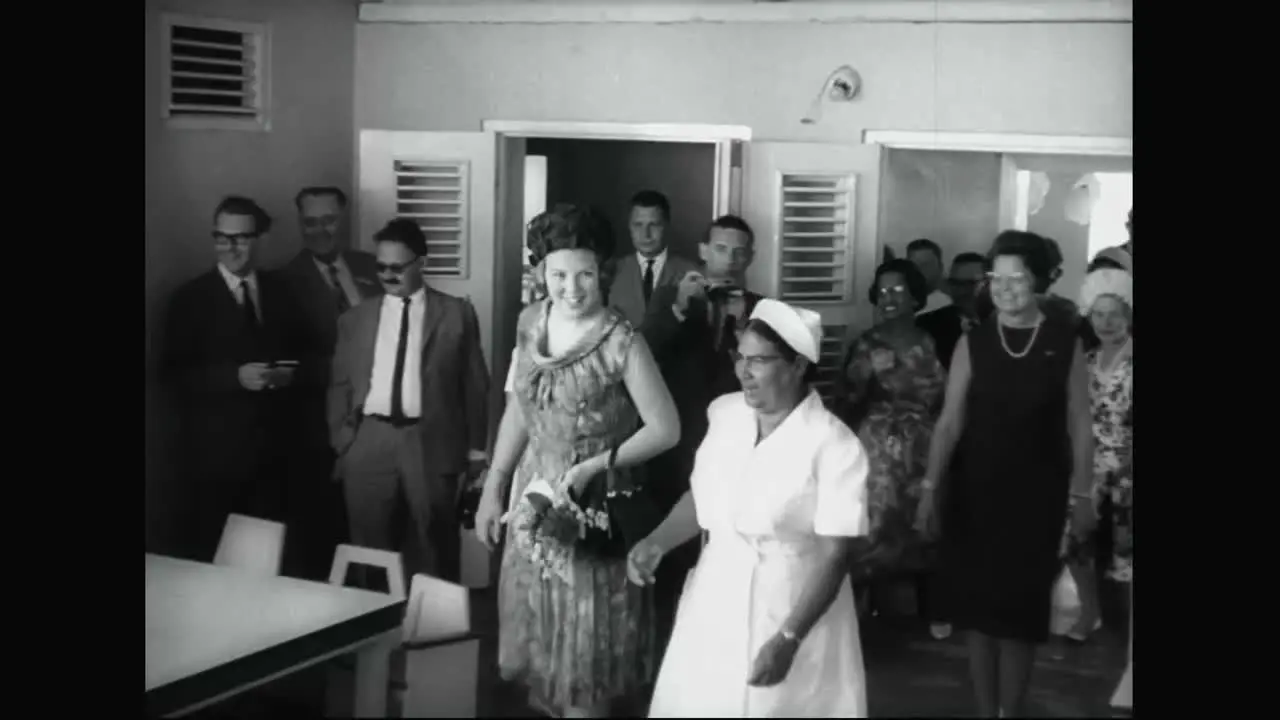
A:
764,506
590,639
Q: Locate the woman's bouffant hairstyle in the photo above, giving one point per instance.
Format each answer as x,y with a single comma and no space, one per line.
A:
917,286
572,227
1034,251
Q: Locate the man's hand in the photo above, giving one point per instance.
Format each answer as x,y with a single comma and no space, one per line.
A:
253,376
693,284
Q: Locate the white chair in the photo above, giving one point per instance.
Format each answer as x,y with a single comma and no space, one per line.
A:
251,544
441,654
340,690
347,555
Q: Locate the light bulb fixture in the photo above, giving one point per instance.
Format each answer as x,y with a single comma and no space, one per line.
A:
842,85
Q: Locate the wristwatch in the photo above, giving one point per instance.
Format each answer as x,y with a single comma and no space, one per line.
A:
789,636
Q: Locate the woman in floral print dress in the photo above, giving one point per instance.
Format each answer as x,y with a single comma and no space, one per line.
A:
584,396
890,393
1107,299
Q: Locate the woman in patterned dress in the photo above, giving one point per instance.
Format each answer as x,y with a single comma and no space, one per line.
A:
890,393
582,382
1107,300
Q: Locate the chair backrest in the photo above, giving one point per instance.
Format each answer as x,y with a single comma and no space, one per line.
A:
346,555
436,609
251,544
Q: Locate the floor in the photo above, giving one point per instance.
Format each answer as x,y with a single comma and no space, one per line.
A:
910,675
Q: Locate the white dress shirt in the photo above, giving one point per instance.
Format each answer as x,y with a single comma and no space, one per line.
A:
378,401
345,278
237,289
659,261
936,301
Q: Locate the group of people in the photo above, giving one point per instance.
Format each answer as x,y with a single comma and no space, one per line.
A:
338,394
678,511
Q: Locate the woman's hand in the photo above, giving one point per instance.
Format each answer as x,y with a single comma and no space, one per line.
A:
773,662
575,480
1084,518
489,517
643,561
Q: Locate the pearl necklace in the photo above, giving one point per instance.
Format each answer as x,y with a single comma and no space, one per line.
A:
1005,343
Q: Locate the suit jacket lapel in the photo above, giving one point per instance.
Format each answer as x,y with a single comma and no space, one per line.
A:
365,345
431,317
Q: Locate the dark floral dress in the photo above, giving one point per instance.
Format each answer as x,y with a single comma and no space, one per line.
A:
585,636
1111,395
894,398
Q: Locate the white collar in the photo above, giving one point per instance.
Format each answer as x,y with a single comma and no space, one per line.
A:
658,259
418,298
233,281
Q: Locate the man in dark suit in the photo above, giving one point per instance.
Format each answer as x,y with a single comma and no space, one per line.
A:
639,276
948,323
327,279
697,330
237,354
408,402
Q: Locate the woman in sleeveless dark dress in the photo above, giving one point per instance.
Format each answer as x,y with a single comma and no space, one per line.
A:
1017,407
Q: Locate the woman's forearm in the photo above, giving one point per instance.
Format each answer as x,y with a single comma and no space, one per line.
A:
821,590
512,438
647,443
679,527
942,446
1082,456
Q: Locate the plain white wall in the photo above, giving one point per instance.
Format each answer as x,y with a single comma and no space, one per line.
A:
1057,79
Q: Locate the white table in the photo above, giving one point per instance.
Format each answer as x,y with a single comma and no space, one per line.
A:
214,632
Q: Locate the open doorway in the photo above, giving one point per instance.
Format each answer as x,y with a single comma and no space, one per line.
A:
605,174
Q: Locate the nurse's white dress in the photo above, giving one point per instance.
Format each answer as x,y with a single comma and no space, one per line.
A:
764,506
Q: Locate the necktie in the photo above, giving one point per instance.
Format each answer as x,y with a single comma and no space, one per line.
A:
246,304
343,304
397,382
648,281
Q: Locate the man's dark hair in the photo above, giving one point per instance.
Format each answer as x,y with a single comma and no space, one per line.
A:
406,232
239,205
652,199
966,258
731,222
318,191
925,244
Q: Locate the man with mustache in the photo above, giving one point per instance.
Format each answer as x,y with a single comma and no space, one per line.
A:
408,407
236,353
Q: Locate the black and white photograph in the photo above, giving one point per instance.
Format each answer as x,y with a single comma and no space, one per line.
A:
639,358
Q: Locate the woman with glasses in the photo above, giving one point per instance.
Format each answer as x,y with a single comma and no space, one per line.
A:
766,625
890,392
1017,410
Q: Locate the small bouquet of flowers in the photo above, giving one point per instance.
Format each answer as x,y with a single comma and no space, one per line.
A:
550,526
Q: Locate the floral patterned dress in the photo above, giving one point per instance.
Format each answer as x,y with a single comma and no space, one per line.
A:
1111,393
898,396
584,636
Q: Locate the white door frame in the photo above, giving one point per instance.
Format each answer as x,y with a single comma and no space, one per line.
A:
1000,142
723,136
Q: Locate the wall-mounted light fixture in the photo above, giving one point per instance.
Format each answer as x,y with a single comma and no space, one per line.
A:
842,85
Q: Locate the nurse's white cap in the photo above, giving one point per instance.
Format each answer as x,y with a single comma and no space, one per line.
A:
801,328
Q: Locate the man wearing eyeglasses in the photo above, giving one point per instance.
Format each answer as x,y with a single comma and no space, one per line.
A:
947,324
235,351
408,407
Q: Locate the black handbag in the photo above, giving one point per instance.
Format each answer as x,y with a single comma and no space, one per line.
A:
631,509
